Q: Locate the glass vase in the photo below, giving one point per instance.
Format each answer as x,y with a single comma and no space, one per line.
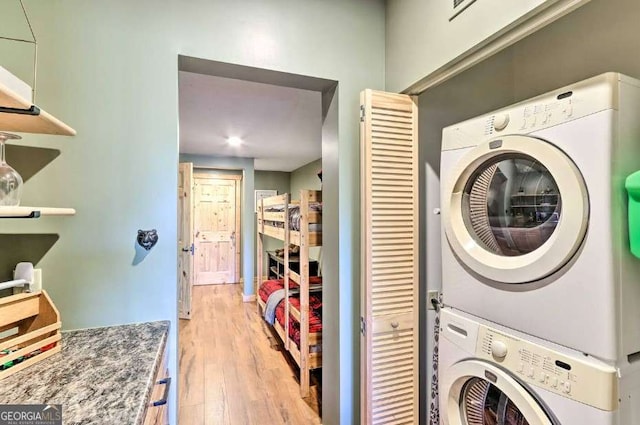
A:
10,180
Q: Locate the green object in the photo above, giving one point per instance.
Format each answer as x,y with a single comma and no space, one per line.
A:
632,184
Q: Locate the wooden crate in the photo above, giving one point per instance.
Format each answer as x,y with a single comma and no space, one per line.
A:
32,323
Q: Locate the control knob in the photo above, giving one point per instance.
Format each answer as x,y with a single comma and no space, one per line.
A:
500,122
499,349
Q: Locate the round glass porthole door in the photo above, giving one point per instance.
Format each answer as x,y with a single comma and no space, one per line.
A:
518,209
484,404
511,205
479,393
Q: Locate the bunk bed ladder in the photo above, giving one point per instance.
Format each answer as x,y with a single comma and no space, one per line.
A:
304,294
259,251
287,342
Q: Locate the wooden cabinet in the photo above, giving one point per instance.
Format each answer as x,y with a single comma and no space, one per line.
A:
157,414
276,266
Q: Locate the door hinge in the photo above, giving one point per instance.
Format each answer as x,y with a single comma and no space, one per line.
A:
362,113
363,326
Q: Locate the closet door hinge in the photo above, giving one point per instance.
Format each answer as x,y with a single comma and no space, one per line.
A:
363,326
362,114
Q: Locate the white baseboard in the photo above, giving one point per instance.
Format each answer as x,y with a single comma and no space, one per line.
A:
252,297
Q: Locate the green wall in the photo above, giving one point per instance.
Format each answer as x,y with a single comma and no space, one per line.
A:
416,29
306,177
276,180
110,69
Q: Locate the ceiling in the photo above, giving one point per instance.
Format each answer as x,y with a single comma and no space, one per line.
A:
280,126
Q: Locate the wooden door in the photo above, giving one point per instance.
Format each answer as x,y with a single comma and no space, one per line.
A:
217,217
185,239
389,246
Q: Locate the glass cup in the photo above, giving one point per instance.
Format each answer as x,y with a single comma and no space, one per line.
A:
10,180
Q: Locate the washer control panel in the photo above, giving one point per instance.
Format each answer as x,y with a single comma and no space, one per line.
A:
580,378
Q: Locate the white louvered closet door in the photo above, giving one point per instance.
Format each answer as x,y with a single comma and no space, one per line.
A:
389,196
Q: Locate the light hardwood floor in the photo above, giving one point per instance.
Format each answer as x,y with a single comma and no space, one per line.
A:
231,368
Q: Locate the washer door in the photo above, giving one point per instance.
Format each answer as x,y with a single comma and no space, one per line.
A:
517,209
478,393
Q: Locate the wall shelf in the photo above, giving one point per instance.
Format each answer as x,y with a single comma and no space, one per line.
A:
19,115
34,212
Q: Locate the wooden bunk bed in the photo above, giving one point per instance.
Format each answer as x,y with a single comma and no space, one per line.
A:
299,326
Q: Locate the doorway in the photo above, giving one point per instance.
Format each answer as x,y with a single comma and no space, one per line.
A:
227,345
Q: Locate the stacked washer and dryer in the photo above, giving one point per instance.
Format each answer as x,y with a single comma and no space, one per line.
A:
540,323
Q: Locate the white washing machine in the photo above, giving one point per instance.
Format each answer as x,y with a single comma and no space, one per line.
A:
534,216
491,375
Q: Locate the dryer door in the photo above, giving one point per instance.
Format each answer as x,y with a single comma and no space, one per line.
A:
517,209
478,393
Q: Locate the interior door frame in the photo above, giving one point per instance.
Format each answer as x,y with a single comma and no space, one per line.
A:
198,173
185,211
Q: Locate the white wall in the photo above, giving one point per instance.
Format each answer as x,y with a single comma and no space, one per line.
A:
110,69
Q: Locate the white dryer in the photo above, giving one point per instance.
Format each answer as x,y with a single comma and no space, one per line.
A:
534,216
491,375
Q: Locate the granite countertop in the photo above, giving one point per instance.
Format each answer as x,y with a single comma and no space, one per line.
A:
101,376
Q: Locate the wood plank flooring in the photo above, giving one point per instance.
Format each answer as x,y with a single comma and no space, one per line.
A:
232,371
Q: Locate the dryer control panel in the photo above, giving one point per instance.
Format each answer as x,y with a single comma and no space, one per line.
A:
580,378
534,117
568,103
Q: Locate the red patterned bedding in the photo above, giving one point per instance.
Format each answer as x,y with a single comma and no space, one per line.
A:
270,286
315,306
315,316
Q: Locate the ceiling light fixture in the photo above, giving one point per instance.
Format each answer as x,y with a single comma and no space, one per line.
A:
234,141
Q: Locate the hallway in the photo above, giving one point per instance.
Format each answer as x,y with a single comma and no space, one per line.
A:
231,369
